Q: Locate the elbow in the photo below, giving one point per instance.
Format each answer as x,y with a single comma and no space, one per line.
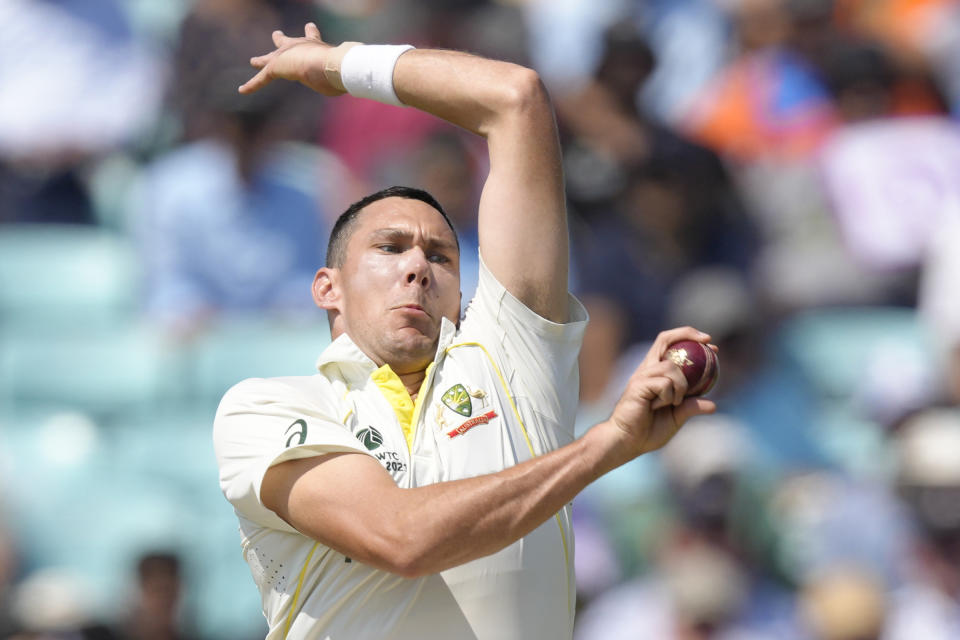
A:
416,553
516,97
411,566
524,92
403,555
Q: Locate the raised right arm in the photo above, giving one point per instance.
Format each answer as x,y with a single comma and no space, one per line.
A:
522,220
349,503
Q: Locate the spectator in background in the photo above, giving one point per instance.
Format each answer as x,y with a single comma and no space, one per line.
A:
155,613
214,38
706,581
844,603
768,100
771,400
921,39
376,141
665,206
694,594
101,87
566,38
839,541
797,76
602,125
231,220
690,40
927,605
889,170
860,77
52,605
866,83
775,115
8,571
940,305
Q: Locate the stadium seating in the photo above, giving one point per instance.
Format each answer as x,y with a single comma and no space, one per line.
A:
254,346
99,370
842,349
105,421
65,275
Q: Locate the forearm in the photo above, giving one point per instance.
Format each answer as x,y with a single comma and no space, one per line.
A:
455,522
471,92
350,504
467,90
451,523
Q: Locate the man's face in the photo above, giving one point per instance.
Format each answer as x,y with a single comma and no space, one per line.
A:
400,277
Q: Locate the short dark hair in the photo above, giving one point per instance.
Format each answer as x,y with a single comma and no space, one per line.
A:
343,228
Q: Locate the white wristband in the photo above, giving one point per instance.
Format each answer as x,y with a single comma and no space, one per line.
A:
367,71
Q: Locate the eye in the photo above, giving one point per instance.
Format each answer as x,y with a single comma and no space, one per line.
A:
439,258
388,248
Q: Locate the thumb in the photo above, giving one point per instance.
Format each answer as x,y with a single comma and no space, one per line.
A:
693,407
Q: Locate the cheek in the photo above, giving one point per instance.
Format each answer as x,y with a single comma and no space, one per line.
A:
371,277
360,299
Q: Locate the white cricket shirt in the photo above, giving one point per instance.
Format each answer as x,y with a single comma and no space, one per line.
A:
502,389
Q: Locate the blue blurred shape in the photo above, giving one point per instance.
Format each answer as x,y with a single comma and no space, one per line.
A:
843,351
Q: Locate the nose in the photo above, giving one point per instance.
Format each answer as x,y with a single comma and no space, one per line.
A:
418,268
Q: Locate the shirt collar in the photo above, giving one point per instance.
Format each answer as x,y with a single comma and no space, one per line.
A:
448,331
354,363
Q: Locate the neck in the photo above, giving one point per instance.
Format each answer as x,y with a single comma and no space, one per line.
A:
412,382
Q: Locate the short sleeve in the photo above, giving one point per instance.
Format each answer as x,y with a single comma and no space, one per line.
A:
539,357
261,423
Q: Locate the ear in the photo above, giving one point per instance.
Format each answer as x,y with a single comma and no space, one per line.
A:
326,292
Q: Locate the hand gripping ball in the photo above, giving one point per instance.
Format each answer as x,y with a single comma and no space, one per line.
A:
698,362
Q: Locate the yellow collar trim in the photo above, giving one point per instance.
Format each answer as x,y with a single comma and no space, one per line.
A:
404,408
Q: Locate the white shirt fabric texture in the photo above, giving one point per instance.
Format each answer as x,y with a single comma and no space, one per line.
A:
502,389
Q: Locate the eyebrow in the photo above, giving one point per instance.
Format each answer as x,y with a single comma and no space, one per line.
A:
398,235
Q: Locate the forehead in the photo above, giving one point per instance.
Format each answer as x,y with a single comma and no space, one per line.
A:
403,214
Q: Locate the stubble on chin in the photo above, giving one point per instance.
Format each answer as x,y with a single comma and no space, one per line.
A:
409,353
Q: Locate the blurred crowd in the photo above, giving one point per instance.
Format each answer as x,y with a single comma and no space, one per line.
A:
783,174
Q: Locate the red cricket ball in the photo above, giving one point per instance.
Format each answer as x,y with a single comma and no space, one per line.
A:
698,362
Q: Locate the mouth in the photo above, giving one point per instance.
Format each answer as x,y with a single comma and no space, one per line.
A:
414,308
